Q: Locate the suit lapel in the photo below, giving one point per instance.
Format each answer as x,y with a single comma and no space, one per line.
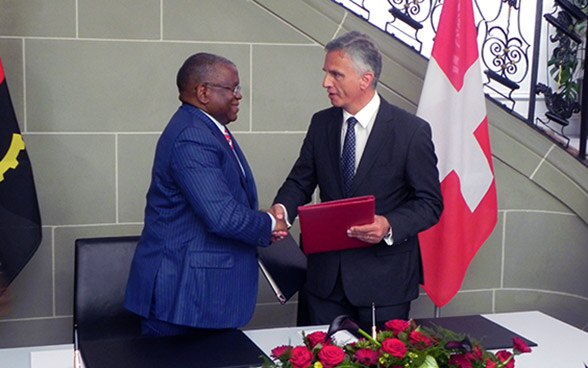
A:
379,135
334,146
237,155
246,179
220,136
223,141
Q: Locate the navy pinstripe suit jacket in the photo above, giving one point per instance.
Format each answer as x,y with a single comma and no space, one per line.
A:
196,261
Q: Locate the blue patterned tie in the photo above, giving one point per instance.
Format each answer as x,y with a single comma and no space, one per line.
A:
348,156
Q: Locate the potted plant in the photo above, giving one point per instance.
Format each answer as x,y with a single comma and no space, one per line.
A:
566,64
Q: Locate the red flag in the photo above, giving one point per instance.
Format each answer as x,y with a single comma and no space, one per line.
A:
453,103
20,222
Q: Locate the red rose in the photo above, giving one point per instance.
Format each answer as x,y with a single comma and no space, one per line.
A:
460,361
477,353
397,325
366,357
419,339
278,351
331,356
490,364
315,338
394,347
301,357
506,357
519,346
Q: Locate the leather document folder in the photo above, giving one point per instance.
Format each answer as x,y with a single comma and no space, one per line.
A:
284,267
490,334
224,349
323,226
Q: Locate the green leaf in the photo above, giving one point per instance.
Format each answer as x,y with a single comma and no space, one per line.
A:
429,362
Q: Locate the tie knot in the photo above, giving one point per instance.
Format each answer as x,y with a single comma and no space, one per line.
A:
351,122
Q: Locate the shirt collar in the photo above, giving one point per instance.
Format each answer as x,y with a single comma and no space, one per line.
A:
367,115
218,125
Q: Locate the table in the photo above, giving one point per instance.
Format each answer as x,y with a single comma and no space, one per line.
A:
559,344
52,356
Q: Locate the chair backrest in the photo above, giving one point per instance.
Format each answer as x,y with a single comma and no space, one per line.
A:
101,271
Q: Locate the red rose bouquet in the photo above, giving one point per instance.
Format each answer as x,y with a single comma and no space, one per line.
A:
402,344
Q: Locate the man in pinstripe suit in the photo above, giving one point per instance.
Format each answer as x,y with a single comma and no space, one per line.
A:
195,267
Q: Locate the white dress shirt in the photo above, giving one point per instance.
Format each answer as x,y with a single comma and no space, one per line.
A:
365,118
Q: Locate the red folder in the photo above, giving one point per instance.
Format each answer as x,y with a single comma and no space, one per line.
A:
323,226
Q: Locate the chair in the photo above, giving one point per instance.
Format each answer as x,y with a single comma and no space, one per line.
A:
101,272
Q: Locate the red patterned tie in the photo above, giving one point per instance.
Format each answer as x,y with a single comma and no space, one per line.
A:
228,138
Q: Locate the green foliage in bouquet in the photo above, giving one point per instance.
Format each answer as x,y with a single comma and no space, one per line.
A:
402,344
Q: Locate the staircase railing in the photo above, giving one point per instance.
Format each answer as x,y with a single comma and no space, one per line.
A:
540,83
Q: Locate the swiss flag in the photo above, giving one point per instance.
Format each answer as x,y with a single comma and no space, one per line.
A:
453,103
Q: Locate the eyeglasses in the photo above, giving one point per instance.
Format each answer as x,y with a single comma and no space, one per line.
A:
235,90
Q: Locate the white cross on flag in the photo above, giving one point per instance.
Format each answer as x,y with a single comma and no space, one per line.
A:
453,103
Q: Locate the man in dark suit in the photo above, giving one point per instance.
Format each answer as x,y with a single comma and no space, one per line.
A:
195,267
365,146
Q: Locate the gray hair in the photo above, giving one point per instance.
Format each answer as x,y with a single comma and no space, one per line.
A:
199,67
363,52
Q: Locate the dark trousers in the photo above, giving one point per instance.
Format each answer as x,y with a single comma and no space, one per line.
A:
321,311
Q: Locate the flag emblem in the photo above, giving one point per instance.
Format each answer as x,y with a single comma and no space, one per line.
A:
10,160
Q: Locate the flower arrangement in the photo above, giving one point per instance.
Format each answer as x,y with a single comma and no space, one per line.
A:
402,344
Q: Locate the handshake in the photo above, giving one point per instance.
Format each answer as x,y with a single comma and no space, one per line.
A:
281,229
373,233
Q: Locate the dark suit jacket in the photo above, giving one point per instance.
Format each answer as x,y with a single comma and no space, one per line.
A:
196,261
399,168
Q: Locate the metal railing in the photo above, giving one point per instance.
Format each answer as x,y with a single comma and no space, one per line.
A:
546,95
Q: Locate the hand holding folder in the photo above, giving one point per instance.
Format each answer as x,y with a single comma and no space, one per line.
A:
323,226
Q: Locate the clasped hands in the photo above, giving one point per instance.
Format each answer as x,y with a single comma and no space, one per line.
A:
371,233
281,229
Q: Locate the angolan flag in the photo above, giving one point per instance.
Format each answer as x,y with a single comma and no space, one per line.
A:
20,222
453,103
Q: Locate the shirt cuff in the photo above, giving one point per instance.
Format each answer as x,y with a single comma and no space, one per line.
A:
388,238
273,220
285,215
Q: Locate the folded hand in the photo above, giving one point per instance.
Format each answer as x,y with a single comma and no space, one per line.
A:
371,233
